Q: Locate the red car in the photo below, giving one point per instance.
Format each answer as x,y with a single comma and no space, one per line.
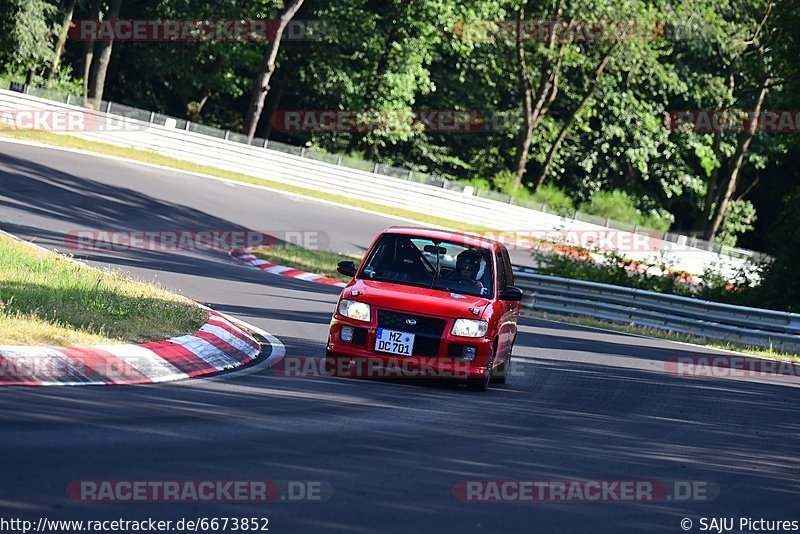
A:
436,301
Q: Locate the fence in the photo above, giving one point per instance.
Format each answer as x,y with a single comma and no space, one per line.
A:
748,326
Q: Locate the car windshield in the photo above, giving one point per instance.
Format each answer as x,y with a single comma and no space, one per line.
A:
424,262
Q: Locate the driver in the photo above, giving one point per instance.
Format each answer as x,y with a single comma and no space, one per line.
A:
468,264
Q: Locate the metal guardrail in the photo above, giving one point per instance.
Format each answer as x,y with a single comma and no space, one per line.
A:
743,325
409,175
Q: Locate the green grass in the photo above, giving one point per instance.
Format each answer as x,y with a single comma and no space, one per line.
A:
154,158
49,299
762,352
313,261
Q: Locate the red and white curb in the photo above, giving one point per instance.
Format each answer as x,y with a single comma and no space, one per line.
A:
218,345
244,257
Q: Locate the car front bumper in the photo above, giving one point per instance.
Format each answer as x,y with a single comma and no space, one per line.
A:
447,362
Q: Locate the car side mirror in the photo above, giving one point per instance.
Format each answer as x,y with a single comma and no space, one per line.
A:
511,293
346,267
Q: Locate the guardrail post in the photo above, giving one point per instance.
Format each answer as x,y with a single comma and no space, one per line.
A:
410,174
187,126
152,117
266,143
108,107
68,95
339,160
227,133
303,152
375,168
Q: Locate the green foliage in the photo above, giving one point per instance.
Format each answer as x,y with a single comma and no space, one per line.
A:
27,31
739,218
780,288
620,206
619,160
615,269
555,198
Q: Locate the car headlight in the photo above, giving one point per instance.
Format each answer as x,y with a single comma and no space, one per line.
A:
358,311
469,328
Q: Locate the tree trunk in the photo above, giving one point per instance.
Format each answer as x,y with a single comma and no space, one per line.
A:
61,41
726,183
733,168
713,180
193,112
261,87
562,134
357,139
88,50
534,112
101,60
273,100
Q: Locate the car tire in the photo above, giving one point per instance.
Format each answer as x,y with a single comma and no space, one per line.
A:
481,383
502,372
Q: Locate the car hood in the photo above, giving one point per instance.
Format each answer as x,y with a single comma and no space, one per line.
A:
415,299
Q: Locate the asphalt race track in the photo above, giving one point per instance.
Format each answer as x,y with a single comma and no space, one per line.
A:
581,404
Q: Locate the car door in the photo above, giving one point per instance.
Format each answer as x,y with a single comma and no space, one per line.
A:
514,307
507,312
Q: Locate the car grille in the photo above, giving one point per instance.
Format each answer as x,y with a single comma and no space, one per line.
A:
428,330
397,321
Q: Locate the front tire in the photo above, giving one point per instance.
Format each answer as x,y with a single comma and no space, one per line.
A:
481,383
502,372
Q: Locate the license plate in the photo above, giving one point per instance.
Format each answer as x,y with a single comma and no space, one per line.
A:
394,342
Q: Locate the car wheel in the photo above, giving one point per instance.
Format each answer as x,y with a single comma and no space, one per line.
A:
502,372
481,383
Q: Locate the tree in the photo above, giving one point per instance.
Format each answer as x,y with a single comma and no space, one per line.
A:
26,36
62,39
102,58
261,85
725,178
88,47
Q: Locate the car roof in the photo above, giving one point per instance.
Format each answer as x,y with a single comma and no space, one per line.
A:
445,235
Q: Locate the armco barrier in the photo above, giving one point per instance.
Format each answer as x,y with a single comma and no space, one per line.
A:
749,326
176,139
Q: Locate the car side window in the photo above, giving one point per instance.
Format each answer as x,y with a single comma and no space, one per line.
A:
507,264
501,272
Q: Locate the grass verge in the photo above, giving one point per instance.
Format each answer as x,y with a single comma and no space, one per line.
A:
313,261
48,299
154,158
761,352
